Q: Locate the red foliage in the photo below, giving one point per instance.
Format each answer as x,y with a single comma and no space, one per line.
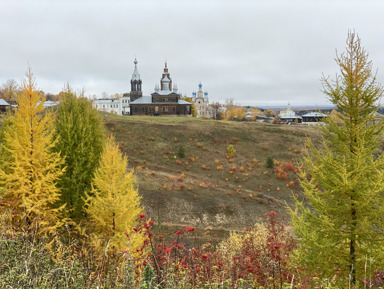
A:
269,262
281,174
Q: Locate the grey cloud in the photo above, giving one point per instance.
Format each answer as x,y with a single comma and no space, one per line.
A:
253,51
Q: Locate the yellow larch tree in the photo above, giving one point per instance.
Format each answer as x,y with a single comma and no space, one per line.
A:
113,204
29,168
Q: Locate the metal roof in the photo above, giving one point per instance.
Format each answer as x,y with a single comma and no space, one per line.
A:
106,100
184,102
135,75
148,100
50,103
143,100
3,102
164,92
290,117
314,114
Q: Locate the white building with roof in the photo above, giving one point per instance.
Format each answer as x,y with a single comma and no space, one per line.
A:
201,102
118,106
289,115
313,117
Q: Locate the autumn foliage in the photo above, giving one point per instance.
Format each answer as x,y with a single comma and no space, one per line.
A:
29,169
113,204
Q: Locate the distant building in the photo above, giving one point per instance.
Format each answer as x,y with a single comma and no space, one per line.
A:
118,106
50,103
164,101
313,117
289,115
4,105
201,102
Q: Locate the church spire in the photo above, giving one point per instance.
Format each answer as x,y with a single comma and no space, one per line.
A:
135,75
135,84
166,80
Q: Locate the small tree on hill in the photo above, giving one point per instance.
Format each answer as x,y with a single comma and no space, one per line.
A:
342,229
30,169
81,140
114,202
193,107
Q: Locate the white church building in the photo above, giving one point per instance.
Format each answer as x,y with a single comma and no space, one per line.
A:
201,102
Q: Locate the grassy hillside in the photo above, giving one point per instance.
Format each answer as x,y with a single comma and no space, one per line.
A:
205,188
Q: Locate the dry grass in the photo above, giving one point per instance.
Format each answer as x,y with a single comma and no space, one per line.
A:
152,150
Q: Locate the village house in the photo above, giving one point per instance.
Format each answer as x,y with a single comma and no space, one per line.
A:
4,106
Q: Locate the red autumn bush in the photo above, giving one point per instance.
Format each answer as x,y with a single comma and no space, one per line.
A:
281,174
259,255
290,167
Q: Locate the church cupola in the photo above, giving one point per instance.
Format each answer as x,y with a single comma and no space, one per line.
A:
166,80
136,91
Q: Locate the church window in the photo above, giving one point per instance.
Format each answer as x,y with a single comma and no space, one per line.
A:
173,108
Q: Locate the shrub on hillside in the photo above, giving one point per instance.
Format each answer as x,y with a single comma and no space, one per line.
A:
269,162
231,150
181,152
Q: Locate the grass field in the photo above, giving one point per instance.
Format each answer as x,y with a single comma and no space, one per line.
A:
207,188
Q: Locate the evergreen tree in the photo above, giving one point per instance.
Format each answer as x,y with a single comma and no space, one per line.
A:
114,202
81,141
341,232
30,169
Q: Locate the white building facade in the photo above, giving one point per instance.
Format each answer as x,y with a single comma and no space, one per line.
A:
201,102
118,106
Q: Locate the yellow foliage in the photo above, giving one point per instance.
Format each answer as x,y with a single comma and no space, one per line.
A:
234,244
29,169
336,117
114,203
234,112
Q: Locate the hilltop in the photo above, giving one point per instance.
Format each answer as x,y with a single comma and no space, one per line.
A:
205,188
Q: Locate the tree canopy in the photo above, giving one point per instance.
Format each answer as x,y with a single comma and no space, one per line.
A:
81,141
30,169
342,228
114,202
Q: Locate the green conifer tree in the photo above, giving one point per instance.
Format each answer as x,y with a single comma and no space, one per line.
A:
81,141
114,202
341,232
30,169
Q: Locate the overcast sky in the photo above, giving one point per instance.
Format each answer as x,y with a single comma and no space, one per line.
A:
256,52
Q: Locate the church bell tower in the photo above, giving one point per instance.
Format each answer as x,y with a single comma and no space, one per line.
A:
136,91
